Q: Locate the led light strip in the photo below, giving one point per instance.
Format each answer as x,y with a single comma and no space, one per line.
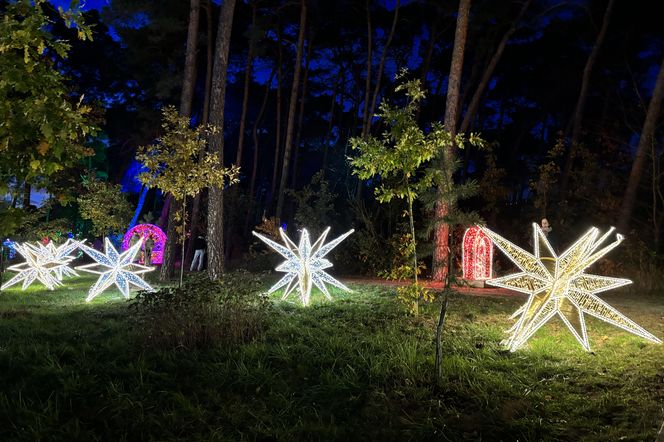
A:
558,285
305,264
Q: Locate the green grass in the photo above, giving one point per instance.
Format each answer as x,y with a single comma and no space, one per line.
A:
355,368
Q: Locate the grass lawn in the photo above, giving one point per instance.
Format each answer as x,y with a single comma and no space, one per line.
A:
355,368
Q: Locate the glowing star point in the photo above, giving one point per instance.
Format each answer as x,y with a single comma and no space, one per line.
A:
120,269
558,286
305,264
59,254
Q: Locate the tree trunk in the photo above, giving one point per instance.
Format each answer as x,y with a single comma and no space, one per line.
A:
300,118
27,195
215,223
381,67
165,210
186,98
189,80
247,83
193,228
488,73
291,109
328,134
208,64
439,336
196,206
168,260
442,230
182,241
254,170
411,223
581,102
277,141
647,134
139,206
426,63
367,84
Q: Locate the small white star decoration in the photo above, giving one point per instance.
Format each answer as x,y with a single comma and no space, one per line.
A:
120,269
305,264
558,286
40,264
62,252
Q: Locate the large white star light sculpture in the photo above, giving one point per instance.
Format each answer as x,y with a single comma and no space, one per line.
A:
37,266
305,264
117,268
558,286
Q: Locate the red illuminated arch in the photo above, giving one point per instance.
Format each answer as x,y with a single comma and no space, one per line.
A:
477,255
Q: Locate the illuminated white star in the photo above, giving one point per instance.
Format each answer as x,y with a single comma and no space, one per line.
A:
557,285
120,269
36,267
60,253
305,264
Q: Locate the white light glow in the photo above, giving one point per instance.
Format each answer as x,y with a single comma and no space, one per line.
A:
37,266
557,285
61,253
120,269
305,264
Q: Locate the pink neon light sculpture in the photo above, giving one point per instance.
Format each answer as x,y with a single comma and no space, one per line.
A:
145,231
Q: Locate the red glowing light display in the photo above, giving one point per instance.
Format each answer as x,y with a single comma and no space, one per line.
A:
477,255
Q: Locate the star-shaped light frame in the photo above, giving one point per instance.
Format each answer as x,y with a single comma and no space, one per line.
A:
559,286
120,269
61,253
37,266
305,264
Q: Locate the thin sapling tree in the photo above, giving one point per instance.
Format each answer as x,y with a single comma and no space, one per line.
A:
403,164
179,164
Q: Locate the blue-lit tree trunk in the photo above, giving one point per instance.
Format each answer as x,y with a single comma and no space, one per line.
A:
139,206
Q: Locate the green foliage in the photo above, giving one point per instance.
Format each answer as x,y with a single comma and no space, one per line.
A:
402,248
492,187
410,296
637,261
366,253
315,204
409,162
178,163
547,177
11,220
31,225
202,313
43,127
53,229
405,159
105,206
354,369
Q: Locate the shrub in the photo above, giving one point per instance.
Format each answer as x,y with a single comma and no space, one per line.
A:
202,313
315,205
